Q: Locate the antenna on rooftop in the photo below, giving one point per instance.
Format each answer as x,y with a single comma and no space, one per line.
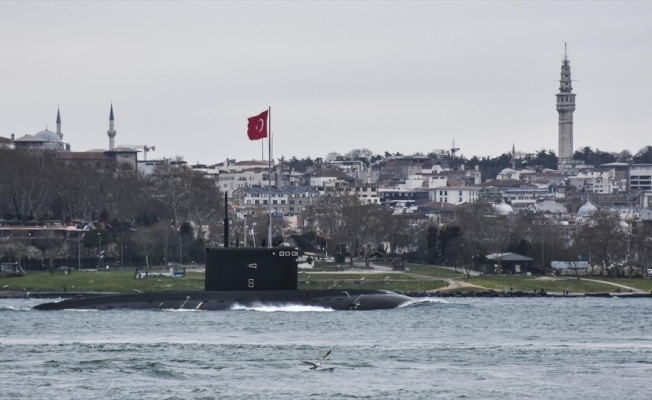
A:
454,149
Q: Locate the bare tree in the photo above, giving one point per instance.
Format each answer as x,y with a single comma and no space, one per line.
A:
332,156
148,238
604,241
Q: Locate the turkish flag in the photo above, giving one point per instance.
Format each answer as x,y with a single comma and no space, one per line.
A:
257,128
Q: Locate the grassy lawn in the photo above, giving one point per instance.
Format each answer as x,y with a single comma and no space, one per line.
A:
431,270
420,277
643,284
102,281
402,281
324,266
530,283
403,285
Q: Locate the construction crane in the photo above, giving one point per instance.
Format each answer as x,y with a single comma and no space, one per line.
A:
454,149
145,148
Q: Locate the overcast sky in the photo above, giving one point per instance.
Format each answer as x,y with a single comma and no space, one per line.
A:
395,76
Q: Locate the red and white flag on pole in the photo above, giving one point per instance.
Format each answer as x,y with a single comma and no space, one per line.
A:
257,128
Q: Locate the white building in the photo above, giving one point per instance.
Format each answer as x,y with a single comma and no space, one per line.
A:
454,195
640,177
321,178
245,178
285,201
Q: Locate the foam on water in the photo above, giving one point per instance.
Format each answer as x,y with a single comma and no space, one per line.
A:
496,348
421,301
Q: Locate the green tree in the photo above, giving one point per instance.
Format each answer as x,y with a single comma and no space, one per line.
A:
593,157
644,156
433,244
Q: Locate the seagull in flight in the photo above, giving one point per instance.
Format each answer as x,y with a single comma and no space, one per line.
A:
318,363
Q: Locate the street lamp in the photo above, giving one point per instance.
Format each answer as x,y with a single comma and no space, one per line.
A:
79,251
99,255
244,242
253,237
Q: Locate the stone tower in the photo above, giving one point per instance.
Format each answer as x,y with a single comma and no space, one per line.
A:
111,132
59,125
565,108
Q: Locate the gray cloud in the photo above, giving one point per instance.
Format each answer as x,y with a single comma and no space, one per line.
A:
394,76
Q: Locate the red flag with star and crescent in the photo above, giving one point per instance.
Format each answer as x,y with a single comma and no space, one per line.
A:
257,128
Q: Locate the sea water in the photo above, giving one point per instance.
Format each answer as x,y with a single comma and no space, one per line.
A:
577,348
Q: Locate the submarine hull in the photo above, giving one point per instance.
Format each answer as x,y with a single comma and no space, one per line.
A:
226,300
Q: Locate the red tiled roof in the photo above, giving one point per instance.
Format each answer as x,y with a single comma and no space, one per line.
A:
250,163
439,205
81,155
330,173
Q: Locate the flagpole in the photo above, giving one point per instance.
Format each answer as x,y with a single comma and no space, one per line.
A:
269,178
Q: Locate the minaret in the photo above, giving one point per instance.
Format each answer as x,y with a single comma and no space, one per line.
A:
59,125
513,157
111,132
565,108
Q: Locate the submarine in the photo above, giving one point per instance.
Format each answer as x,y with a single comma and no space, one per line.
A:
242,277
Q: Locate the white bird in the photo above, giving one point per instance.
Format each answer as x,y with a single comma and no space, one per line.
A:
5,286
362,279
139,291
318,363
91,281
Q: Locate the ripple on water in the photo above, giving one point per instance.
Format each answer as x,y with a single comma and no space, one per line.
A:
473,348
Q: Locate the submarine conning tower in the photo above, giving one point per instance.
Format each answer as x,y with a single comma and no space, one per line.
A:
251,268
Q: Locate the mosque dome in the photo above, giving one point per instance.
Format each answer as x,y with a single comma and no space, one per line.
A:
586,210
504,208
48,136
507,171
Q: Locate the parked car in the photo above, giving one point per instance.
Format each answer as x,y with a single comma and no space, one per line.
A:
173,264
64,268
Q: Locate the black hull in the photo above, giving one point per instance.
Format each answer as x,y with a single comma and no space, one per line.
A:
226,300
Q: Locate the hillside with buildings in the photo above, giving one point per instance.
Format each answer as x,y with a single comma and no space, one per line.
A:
570,206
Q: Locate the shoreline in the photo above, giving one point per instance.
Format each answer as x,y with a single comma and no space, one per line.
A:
19,294
521,294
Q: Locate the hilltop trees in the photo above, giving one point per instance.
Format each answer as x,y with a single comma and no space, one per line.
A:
644,155
594,157
351,227
39,186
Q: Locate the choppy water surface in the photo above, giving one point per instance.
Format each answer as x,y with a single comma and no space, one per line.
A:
458,348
